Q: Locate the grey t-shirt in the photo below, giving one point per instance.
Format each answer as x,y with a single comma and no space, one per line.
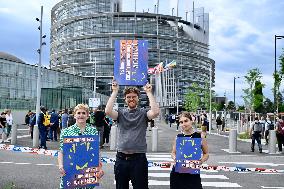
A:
132,126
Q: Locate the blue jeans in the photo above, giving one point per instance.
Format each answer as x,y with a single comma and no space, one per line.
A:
42,135
132,167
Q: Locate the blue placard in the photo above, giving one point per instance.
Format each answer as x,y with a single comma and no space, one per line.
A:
80,161
131,62
188,154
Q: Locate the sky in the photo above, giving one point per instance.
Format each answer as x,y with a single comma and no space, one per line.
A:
241,35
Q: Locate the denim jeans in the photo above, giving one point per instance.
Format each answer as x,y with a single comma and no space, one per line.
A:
132,167
256,137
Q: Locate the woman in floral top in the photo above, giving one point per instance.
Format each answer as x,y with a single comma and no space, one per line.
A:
79,128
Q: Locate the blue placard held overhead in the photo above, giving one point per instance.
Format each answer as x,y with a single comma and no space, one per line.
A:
188,154
80,161
131,62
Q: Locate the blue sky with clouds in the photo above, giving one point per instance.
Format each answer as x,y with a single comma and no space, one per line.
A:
241,34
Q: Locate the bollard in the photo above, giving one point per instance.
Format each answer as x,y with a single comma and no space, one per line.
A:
272,142
113,133
35,137
155,139
14,134
233,141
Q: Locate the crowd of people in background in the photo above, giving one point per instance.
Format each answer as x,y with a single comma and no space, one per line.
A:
6,122
51,123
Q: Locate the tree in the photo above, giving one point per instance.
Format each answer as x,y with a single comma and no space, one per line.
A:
192,98
258,97
252,76
231,105
267,106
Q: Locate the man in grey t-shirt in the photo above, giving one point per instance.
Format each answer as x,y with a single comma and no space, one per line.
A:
131,162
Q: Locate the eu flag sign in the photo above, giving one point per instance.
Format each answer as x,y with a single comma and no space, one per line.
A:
81,161
131,62
188,154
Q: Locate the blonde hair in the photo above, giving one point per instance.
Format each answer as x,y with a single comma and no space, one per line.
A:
81,106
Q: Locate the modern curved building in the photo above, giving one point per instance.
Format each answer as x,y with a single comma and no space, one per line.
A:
83,34
18,84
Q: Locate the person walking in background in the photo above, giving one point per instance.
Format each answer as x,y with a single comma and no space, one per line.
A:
42,128
280,132
100,123
262,121
131,161
64,119
32,123
218,124
9,119
54,124
177,122
27,117
255,134
187,180
3,124
268,126
71,120
107,128
223,123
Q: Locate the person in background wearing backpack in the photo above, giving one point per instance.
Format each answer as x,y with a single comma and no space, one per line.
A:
32,123
255,134
268,126
280,132
54,124
71,120
262,121
42,128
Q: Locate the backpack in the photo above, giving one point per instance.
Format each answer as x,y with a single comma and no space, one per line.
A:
46,120
257,127
33,120
281,128
270,125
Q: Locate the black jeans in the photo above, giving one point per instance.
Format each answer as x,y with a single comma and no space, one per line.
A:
256,137
280,141
132,167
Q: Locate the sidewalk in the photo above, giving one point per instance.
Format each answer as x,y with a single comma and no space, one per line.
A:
166,135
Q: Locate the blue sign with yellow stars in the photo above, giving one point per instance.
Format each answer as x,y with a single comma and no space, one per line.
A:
80,161
131,62
188,154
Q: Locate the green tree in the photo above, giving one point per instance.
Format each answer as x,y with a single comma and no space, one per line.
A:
267,106
258,97
231,105
252,76
192,98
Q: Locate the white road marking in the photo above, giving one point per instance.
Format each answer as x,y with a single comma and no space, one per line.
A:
23,163
6,162
221,184
23,129
203,176
44,164
272,187
160,159
160,156
252,163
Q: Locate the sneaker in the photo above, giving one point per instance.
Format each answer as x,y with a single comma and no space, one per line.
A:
6,141
252,150
177,130
2,142
260,150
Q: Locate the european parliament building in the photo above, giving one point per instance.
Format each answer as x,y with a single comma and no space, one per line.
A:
83,34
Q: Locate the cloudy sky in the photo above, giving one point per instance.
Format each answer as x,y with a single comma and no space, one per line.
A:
241,34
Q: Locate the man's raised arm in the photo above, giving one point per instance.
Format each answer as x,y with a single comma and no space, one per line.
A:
109,106
154,111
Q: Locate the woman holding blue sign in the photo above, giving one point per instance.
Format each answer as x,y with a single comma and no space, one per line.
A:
186,153
78,154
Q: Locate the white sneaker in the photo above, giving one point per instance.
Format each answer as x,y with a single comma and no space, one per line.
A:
6,141
177,130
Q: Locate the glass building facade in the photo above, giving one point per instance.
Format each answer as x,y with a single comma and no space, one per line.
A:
18,84
83,34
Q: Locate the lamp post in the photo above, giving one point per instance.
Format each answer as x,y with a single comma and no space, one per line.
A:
275,98
235,90
35,130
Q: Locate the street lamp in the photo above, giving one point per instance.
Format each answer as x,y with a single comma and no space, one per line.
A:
235,90
36,131
275,99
